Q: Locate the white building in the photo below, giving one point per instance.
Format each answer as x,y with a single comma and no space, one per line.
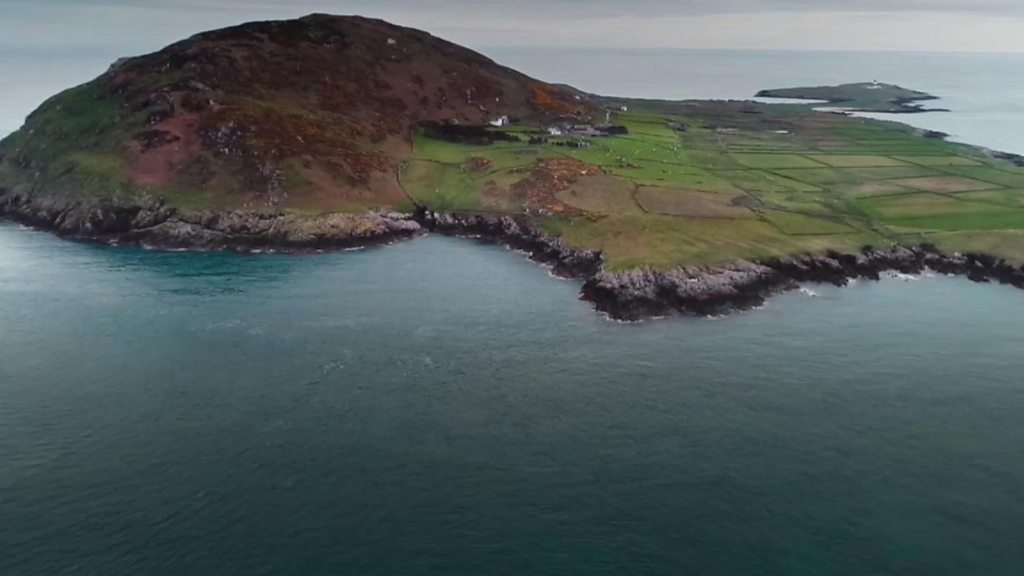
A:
499,122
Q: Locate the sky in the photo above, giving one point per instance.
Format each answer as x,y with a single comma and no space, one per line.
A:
137,26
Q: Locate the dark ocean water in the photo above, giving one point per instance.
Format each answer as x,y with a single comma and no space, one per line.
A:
444,407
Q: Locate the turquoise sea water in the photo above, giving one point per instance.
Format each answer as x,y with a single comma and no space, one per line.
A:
445,407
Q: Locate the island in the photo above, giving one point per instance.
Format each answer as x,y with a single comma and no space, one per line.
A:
329,132
860,97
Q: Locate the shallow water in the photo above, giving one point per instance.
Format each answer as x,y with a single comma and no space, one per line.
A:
445,407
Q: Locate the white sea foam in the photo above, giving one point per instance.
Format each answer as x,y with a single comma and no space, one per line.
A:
901,276
551,273
608,318
808,292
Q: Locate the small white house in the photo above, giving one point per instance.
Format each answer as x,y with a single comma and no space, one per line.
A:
624,108
555,131
499,122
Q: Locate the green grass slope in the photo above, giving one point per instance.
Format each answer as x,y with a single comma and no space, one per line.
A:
710,182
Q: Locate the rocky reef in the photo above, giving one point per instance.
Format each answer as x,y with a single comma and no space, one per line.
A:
644,293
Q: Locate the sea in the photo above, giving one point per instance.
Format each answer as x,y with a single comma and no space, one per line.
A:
443,406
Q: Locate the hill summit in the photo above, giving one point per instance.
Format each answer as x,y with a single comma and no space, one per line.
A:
317,112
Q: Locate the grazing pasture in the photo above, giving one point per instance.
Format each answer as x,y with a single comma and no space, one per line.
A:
710,182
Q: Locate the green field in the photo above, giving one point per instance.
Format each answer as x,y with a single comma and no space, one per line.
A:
710,182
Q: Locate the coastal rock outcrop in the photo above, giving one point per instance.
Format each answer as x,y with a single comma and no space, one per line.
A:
645,293
154,225
564,260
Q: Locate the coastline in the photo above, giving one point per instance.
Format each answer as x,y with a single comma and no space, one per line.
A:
631,295
157,226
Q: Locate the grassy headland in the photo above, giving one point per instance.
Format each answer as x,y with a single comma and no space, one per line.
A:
711,182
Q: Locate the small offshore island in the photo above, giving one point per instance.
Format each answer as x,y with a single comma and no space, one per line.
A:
862,97
329,132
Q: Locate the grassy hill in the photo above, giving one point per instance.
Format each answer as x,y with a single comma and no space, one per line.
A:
308,114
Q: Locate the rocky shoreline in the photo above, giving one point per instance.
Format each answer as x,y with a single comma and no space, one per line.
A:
639,294
705,291
157,226
631,295
565,261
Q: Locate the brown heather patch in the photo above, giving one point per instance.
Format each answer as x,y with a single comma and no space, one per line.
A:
549,99
550,177
154,162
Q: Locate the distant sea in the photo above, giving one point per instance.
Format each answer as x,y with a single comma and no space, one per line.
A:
445,407
984,91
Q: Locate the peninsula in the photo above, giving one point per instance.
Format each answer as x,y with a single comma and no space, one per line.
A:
328,132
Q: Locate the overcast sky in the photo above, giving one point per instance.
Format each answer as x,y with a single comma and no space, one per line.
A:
135,26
